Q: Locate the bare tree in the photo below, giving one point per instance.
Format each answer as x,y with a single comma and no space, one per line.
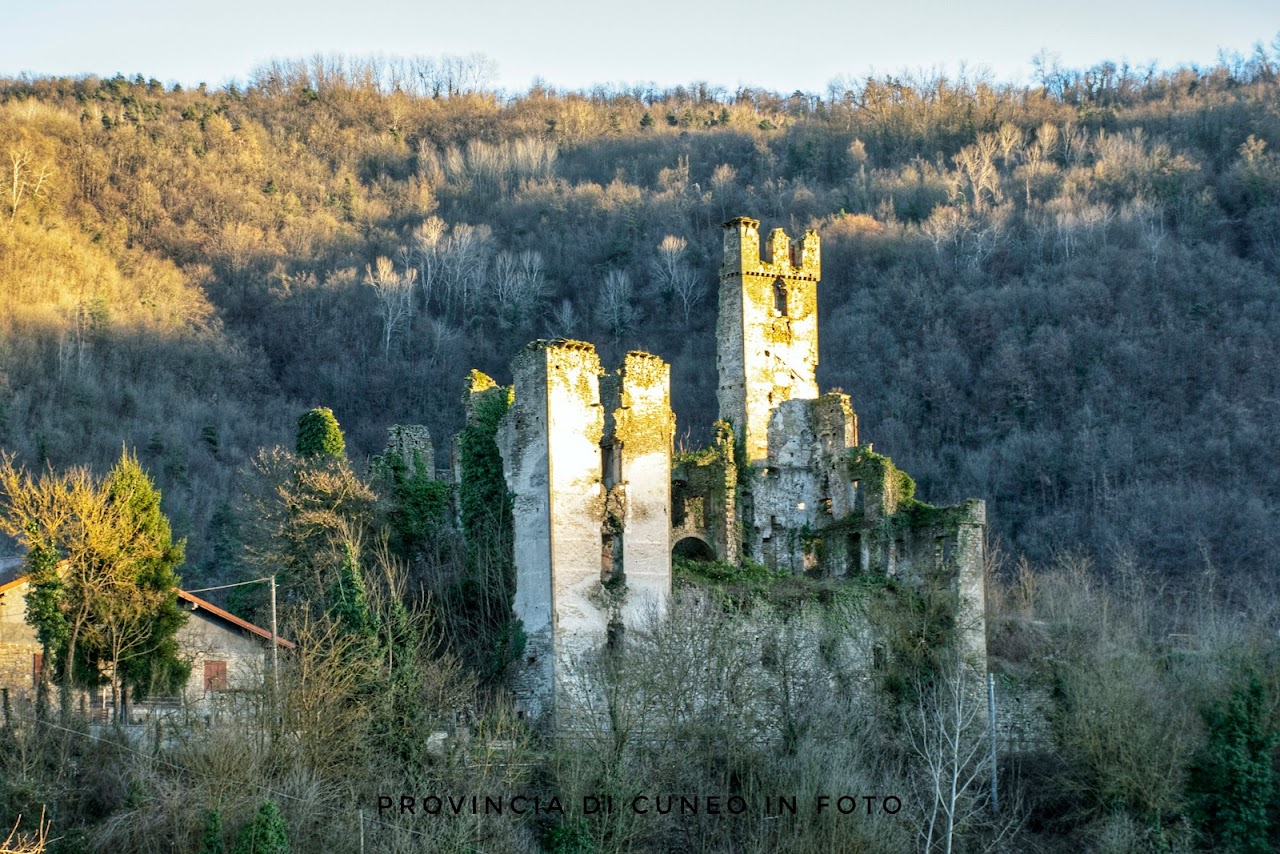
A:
27,179
674,279
689,290
395,297
464,262
617,310
424,249
977,172
669,262
564,320
32,842
949,737
518,287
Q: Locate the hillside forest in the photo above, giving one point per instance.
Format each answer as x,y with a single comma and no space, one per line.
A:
1062,298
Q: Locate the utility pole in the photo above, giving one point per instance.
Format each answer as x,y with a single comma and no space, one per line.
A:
991,719
275,641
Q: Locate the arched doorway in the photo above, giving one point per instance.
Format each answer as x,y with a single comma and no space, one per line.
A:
693,548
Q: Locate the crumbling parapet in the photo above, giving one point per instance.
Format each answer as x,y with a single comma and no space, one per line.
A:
767,328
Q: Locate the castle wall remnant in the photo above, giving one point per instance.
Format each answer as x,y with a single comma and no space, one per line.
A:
640,427
812,498
591,508
600,504
408,445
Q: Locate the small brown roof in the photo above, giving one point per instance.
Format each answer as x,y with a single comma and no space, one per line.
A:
13,571
198,603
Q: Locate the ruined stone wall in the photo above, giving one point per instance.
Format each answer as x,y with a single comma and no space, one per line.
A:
642,430
971,579
411,443
767,329
550,442
523,439
591,510
704,502
801,489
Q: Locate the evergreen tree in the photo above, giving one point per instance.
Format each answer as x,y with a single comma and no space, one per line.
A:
1231,781
266,834
148,543
319,434
211,839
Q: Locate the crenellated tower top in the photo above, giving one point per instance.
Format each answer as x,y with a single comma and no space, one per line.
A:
794,261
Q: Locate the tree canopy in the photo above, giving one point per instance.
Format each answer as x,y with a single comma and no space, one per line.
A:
103,582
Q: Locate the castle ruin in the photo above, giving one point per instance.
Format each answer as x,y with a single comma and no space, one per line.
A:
601,503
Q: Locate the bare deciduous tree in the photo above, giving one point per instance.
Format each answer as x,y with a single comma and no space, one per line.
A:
949,735
424,248
464,263
617,310
27,179
518,287
394,290
674,279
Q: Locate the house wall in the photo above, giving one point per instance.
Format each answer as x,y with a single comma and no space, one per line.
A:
18,645
204,638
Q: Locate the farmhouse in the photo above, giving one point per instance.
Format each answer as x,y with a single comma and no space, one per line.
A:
229,657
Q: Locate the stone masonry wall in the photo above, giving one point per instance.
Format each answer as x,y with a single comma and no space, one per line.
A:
550,443
18,645
802,488
523,439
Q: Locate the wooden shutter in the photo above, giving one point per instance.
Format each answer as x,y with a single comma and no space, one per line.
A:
215,676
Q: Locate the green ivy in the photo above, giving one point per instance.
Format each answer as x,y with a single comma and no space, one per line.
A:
319,434
419,504
483,500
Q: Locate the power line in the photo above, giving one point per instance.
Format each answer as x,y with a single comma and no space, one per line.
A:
225,586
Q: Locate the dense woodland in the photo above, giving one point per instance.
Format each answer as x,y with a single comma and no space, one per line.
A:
1063,298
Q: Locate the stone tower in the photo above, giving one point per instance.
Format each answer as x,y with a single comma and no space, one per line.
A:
587,457
767,330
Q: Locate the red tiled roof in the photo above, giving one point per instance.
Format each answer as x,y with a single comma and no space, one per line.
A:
198,603
13,571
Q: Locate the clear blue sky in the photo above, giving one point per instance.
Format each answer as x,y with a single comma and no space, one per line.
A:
574,44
